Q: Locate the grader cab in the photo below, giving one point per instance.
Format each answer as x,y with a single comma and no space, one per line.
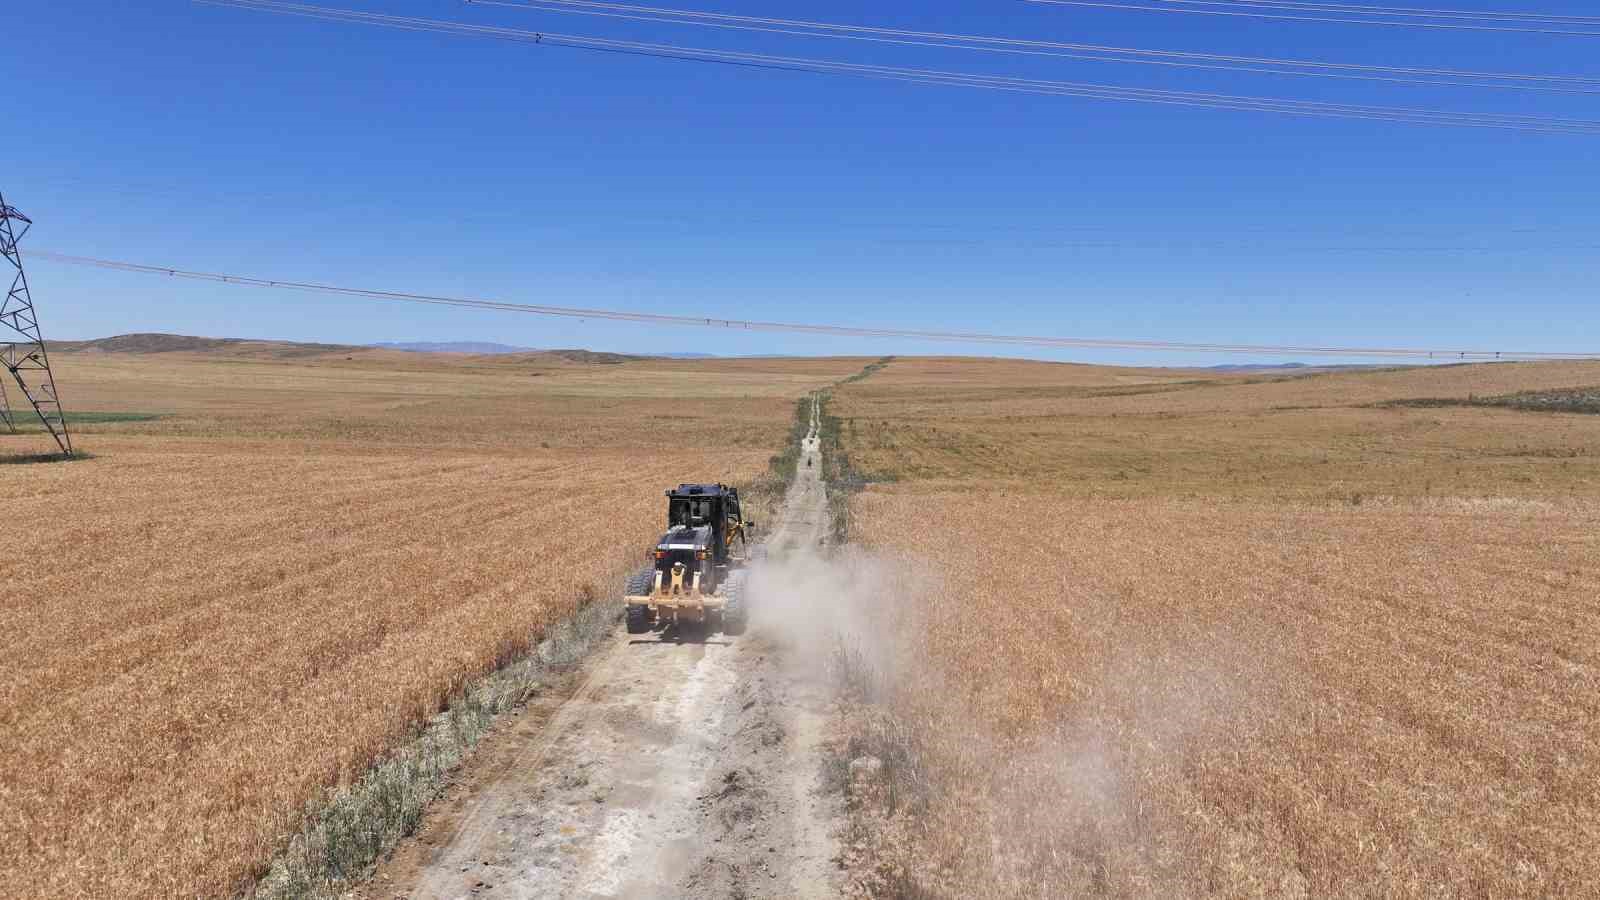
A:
697,578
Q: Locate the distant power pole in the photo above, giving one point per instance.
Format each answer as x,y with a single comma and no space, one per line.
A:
26,359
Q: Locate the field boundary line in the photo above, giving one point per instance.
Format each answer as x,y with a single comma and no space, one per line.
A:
348,832
540,749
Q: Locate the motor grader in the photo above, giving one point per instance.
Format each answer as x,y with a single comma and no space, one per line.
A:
697,578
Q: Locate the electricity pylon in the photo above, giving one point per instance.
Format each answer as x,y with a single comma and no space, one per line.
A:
26,359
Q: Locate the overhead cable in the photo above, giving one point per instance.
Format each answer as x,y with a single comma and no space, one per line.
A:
1309,108
571,312
1563,26
1368,8
1062,49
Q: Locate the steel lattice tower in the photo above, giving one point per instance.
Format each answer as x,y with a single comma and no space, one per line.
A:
26,359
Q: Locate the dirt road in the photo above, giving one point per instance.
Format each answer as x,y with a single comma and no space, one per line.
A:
673,768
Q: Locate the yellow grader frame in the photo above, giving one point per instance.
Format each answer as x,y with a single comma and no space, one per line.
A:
676,598
696,577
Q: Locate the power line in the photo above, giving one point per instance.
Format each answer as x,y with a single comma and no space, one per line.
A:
1426,12
571,312
1308,108
1182,246
1237,9
1067,50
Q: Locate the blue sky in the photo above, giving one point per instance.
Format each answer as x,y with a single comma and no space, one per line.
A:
227,140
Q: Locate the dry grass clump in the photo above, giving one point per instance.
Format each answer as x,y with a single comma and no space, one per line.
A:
250,600
1237,671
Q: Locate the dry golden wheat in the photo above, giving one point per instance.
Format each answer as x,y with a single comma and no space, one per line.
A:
1239,678
226,611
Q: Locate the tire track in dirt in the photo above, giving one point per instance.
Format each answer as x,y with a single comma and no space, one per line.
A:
675,766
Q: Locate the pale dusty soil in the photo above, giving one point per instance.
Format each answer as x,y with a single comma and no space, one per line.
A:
682,767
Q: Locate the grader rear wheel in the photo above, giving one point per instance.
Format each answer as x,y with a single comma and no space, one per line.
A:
638,618
734,616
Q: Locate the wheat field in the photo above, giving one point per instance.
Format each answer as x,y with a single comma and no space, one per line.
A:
1107,432
230,608
1229,636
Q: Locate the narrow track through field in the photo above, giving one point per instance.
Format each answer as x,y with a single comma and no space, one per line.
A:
675,767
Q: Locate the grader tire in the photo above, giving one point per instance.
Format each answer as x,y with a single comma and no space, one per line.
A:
734,616
638,618
641,583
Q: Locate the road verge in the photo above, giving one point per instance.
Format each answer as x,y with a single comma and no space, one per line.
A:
347,832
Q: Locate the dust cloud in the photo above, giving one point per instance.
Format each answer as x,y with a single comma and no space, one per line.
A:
819,605
1033,799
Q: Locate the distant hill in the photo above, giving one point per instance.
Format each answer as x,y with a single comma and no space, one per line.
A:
1257,367
583,357
155,342
1295,367
488,348
479,347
